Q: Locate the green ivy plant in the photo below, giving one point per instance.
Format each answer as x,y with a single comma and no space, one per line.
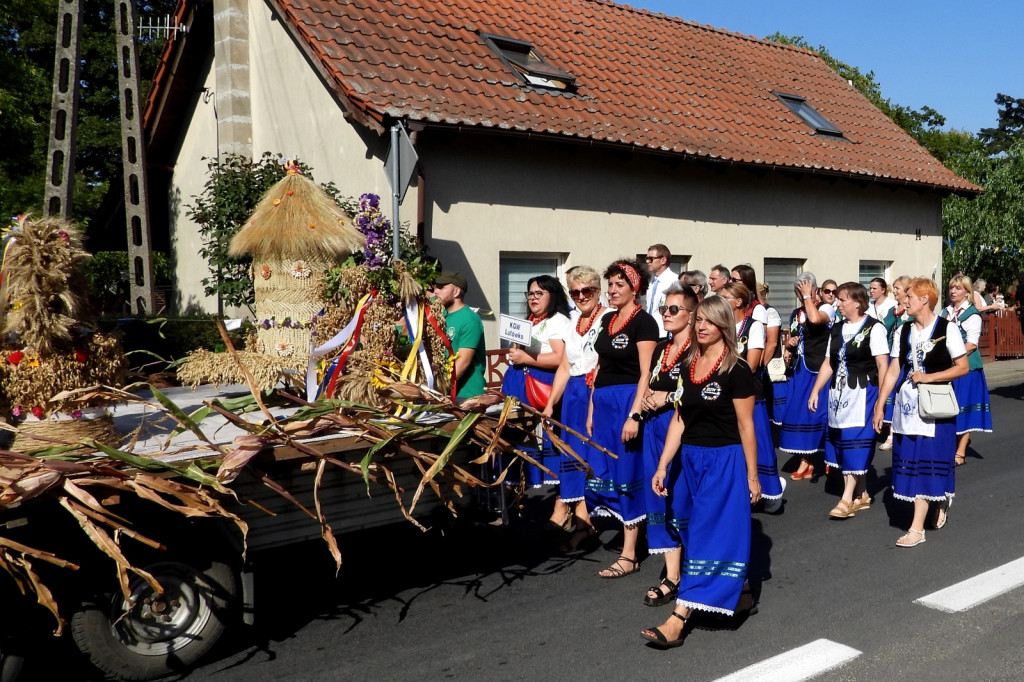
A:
234,187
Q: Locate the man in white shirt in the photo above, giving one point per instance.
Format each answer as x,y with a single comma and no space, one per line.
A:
661,277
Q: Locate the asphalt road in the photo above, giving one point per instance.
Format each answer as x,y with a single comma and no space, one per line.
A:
486,603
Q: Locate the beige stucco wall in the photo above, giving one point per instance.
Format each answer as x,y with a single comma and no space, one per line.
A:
588,206
199,140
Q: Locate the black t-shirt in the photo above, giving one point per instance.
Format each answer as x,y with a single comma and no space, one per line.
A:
665,381
619,356
708,414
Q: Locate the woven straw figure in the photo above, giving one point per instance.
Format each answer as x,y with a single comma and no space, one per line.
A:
47,349
295,235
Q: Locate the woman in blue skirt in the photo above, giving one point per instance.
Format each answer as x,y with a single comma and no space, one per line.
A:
971,390
928,350
803,431
625,346
858,350
663,528
549,313
571,390
896,318
714,427
750,340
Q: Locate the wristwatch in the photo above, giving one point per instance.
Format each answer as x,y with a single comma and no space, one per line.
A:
637,417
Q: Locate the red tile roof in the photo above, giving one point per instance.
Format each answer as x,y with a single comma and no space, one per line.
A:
643,79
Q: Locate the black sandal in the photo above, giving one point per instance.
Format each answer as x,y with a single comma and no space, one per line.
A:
616,571
663,597
583,539
660,640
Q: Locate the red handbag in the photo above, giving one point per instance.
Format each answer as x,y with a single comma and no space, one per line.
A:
537,392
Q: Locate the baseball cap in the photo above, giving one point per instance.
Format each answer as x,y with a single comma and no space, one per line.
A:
449,277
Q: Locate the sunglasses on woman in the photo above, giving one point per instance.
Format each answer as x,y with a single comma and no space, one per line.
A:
673,309
585,292
830,292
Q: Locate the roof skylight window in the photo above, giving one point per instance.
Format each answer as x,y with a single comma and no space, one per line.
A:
524,59
799,106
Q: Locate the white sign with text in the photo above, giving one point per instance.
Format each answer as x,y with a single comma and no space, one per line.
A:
515,330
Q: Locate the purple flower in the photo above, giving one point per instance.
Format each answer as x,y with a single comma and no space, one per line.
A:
265,324
77,414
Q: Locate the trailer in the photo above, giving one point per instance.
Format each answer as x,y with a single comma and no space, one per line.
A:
192,576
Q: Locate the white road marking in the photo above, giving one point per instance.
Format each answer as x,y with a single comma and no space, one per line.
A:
801,663
976,590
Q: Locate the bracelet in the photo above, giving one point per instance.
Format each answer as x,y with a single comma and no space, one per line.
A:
751,479
806,297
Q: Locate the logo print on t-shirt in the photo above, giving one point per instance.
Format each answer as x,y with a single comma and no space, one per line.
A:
620,342
674,372
711,391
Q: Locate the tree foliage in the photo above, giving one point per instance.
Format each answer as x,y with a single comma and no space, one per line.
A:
983,236
27,35
1010,127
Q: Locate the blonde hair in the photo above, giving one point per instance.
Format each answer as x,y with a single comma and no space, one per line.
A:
962,281
583,274
716,310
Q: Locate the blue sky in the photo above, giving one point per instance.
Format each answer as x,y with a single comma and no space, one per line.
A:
951,56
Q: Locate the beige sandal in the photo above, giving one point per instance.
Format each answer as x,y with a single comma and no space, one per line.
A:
842,510
861,503
905,541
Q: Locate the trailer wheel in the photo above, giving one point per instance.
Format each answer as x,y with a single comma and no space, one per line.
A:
153,634
10,665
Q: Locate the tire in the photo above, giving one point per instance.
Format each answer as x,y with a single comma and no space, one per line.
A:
160,635
10,665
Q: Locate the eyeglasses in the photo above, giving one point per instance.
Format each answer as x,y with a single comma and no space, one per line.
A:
673,309
651,259
584,292
535,294
830,292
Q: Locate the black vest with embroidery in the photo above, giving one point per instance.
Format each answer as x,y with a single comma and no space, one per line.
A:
861,368
935,360
744,332
815,343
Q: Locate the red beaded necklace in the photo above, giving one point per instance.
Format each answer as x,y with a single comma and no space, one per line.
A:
593,318
611,325
693,367
536,318
667,364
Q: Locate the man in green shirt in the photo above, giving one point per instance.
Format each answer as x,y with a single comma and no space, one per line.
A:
466,332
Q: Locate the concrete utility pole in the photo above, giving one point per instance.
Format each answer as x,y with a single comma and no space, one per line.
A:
60,159
140,254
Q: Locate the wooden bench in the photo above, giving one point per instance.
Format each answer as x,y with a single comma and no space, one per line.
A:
497,362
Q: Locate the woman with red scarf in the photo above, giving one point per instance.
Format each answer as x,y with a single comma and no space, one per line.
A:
625,346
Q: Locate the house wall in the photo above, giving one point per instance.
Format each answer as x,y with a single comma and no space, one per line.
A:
293,114
198,143
589,206
492,195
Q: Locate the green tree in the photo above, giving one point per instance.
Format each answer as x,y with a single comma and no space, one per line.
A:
27,33
1010,127
984,235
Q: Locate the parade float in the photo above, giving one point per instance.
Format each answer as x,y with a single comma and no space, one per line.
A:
141,539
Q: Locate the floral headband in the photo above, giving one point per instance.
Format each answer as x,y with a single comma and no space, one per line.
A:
631,274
